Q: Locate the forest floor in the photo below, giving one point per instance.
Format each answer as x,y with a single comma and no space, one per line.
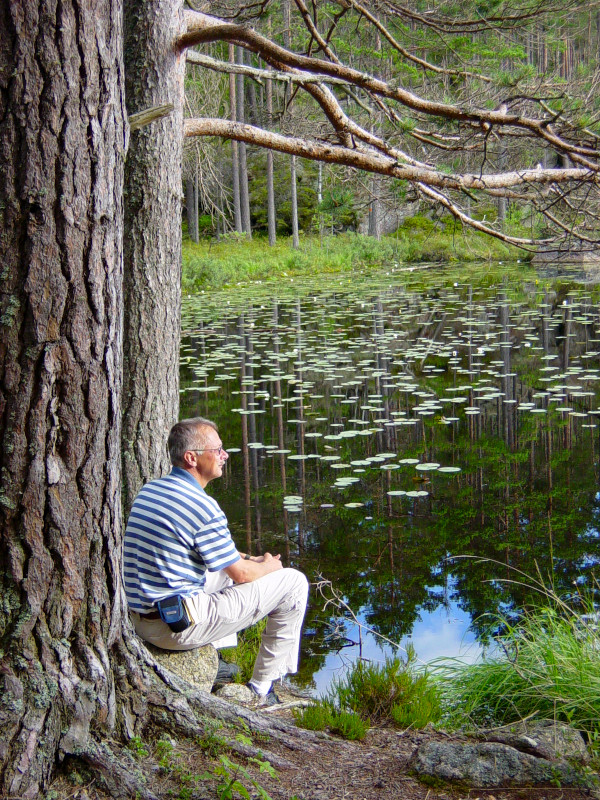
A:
378,768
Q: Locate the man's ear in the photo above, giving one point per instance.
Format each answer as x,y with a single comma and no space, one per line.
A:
189,458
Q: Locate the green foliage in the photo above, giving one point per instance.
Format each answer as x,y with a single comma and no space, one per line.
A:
165,753
337,209
137,747
548,668
168,759
211,742
234,780
418,223
324,715
392,692
419,240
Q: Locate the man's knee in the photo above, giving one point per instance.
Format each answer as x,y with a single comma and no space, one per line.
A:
297,587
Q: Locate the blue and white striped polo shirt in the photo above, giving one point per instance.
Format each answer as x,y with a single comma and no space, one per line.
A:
175,533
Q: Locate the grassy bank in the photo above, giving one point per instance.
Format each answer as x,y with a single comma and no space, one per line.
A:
548,667
212,264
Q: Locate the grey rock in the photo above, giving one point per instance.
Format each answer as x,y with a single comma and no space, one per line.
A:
236,693
489,764
542,738
198,667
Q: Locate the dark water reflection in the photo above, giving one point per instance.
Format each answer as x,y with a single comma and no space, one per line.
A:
328,387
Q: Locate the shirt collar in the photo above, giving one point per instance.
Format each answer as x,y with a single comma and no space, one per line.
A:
179,472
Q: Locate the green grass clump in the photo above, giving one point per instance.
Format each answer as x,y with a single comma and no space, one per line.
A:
389,693
324,716
392,693
549,669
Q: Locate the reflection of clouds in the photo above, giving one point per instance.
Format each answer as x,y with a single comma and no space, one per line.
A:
443,633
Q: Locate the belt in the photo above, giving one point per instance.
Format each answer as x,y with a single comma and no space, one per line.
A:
150,615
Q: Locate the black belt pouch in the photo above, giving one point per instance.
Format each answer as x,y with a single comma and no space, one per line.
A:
172,611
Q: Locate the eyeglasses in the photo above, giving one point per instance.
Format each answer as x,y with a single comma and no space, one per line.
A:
217,450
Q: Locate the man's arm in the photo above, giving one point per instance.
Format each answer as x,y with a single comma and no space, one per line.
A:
250,569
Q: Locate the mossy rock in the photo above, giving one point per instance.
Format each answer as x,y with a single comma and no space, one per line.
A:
198,666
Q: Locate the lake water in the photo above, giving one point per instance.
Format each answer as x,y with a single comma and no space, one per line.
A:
422,445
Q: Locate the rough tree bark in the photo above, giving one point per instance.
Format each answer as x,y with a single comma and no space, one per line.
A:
152,277
74,679
62,143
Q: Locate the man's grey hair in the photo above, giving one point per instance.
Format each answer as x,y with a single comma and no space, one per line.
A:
188,434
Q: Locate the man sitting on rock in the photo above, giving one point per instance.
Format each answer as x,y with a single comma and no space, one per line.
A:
176,536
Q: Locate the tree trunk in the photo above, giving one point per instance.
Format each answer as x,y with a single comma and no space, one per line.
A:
374,210
271,221
287,40
320,200
152,278
295,237
62,143
235,156
502,202
191,202
74,679
241,117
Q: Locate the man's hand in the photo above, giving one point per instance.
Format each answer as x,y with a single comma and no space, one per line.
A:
266,557
247,570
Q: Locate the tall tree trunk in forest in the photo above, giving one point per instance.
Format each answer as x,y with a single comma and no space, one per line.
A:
62,144
320,200
152,277
254,115
191,202
502,201
294,193
241,117
271,221
287,40
376,182
235,153
374,213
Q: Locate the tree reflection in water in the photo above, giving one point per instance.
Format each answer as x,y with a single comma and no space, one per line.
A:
347,378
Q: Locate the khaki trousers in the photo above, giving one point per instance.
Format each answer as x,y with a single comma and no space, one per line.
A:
280,596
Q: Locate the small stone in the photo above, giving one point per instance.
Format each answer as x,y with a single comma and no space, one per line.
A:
236,693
